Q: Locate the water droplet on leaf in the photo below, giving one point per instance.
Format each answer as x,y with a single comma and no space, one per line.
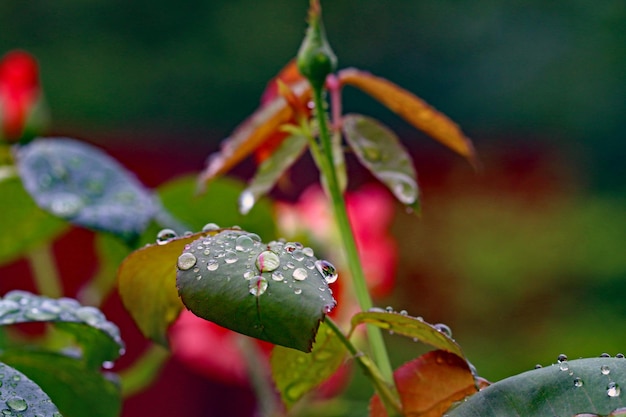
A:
186,261
67,205
230,257
17,404
308,252
244,243
210,227
267,261
613,390
90,315
278,276
578,382
299,274
258,285
443,328
605,370
165,236
297,291
8,306
39,315
562,357
605,355
212,265
328,270
563,366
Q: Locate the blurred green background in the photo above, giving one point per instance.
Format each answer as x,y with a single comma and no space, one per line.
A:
524,261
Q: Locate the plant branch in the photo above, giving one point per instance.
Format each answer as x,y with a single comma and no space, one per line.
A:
45,272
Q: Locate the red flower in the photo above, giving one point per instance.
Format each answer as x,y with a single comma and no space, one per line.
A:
19,93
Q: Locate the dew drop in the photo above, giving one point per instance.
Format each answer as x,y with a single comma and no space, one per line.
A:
578,382
90,315
230,257
308,252
186,261
328,270
67,205
618,412
212,265
248,275
107,364
244,243
8,307
605,370
297,255
210,227
297,291
538,366
290,265
278,276
402,186
605,355
389,309
258,285
267,261
561,358
17,404
39,315
620,356
290,247
246,202
207,252
165,236
328,308
443,328
404,313
299,274
563,366
613,390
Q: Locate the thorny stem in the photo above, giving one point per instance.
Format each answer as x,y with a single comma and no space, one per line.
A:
327,168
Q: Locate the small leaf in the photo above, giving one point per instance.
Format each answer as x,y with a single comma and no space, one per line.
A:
147,285
276,292
413,109
594,386
270,171
21,395
381,152
408,326
79,183
77,391
99,338
255,130
429,384
25,225
296,373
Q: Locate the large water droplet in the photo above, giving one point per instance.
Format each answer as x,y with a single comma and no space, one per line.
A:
564,366
258,285
210,227
90,315
267,261
308,251
298,255
278,276
165,236
620,356
578,382
244,243
605,370
67,205
212,265
443,328
299,274
605,355
186,261
403,186
613,390
39,315
8,306
17,404
561,358
328,270
246,202
230,257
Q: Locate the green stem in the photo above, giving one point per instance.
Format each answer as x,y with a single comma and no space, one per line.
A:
385,392
45,271
327,167
143,371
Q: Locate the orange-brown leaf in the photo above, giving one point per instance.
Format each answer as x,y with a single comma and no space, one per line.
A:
252,133
413,109
429,384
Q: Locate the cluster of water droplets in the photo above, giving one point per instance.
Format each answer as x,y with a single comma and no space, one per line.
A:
233,252
21,307
612,388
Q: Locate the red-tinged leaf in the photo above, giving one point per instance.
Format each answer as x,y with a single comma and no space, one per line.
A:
296,373
289,75
429,384
252,133
413,109
147,286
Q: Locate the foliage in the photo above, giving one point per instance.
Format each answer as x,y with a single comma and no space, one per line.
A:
277,292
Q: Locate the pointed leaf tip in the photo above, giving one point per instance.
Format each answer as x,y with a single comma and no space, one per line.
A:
413,109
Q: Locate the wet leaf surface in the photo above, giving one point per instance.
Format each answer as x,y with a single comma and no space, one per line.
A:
381,152
585,387
296,373
412,327
19,394
429,384
276,292
413,109
80,183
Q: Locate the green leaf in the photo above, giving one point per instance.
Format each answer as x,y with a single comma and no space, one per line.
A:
589,387
24,225
78,182
412,327
380,151
270,171
99,338
21,395
276,292
216,205
147,285
78,391
296,373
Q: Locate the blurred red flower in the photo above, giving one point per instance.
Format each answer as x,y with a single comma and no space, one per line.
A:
19,93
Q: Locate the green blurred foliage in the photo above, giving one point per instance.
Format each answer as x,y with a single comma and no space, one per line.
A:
549,70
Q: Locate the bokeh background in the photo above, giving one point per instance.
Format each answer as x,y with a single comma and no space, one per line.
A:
524,260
